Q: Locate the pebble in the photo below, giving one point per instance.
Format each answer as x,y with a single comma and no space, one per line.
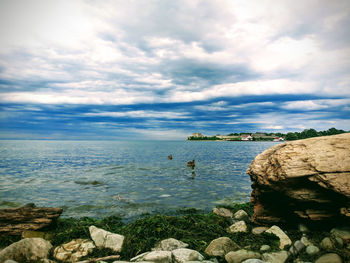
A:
264,248
312,250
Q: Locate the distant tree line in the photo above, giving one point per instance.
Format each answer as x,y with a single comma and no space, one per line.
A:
211,138
309,133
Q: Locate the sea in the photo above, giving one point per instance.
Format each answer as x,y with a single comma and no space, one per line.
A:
125,178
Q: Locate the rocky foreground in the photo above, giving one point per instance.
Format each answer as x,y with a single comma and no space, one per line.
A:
170,250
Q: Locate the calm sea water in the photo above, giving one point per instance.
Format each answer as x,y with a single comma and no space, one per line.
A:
126,178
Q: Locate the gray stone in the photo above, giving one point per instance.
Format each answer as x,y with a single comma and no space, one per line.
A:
241,215
28,249
221,246
182,255
241,255
253,260
170,244
264,248
259,230
343,233
306,241
73,250
329,258
275,257
105,239
10,261
284,239
339,242
154,256
223,212
312,250
297,247
326,243
239,226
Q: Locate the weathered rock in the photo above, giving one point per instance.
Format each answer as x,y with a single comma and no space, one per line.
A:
221,246
13,221
28,249
264,248
259,230
241,255
343,233
223,212
241,215
329,258
182,255
307,179
154,256
296,248
275,257
327,243
284,239
74,250
239,226
105,239
312,250
169,245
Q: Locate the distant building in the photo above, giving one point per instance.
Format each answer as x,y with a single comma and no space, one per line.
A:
246,137
228,137
278,139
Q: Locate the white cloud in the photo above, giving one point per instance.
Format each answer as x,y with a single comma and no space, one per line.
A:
141,114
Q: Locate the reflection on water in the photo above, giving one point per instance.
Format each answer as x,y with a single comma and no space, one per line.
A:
94,178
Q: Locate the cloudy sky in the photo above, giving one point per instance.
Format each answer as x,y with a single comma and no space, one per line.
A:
149,69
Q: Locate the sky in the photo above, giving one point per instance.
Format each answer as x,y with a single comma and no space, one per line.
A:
164,69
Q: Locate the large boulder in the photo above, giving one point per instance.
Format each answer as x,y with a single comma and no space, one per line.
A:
306,179
26,250
105,239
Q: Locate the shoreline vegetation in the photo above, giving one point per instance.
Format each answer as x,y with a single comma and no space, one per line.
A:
263,136
195,228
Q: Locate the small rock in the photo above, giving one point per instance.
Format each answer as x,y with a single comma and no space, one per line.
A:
241,255
297,247
306,241
259,230
182,255
312,250
28,249
329,258
239,226
241,215
326,243
343,233
73,250
10,261
169,245
275,257
105,239
264,248
221,246
222,212
339,242
45,260
284,239
303,228
154,256
253,260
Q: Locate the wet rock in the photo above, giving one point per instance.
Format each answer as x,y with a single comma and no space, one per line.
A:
275,257
239,226
221,246
182,255
284,239
105,239
312,250
259,230
170,244
223,212
326,243
241,215
154,256
28,249
329,258
304,179
74,250
241,255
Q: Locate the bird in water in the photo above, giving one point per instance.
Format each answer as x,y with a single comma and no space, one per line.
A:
191,164
170,157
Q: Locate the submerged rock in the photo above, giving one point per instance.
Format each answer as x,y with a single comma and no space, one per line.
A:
306,179
105,239
220,247
26,250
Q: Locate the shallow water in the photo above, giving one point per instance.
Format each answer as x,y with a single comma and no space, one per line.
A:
126,178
